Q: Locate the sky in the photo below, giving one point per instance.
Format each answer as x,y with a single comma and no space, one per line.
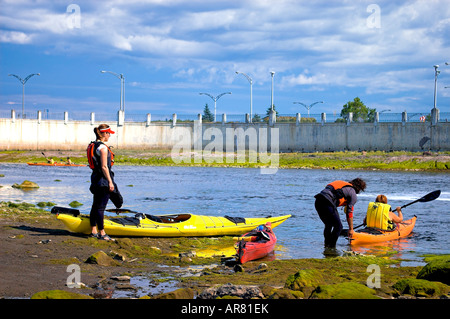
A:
169,51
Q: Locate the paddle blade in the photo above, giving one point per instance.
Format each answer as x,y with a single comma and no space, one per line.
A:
427,198
431,196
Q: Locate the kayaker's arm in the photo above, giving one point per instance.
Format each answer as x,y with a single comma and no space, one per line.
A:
350,226
395,218
349,214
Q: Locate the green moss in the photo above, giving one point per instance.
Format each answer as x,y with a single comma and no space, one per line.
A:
437,269
420,287
59,294
75,204
285,293
346,290
45,204
182,293
26,185
303,278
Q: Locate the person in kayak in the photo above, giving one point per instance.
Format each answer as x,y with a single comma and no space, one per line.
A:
379,214
103,187
337,194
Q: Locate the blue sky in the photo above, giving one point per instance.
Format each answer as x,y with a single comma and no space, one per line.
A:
171,50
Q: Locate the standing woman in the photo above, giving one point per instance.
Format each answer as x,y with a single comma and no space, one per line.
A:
103,187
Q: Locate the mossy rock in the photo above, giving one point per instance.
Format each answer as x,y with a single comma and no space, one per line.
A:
182,293
59,294
75,204
346,290
420,287
438,269
45,204
101,258
302,279
26,185
285,293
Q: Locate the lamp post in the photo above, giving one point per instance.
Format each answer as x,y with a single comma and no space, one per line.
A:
122,88
272,73
436,73
251,94
215,100
23,81
308,106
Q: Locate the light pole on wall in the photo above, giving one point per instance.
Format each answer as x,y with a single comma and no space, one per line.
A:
436,73
23,81
249,79
308,107
215,100
122,88
272,73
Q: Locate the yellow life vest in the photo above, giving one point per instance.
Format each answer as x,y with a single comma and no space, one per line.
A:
378,216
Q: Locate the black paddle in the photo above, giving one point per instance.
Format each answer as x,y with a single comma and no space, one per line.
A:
427,198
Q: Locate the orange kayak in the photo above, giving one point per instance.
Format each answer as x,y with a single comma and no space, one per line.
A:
370,235
54,164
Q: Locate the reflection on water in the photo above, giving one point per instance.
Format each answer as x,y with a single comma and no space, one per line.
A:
395,249
247,193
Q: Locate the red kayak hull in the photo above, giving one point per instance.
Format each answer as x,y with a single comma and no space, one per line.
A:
252,250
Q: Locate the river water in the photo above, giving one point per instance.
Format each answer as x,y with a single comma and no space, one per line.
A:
248,193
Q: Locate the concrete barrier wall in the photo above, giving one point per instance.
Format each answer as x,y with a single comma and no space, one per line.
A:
27,134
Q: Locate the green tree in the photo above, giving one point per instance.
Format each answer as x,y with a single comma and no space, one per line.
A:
207,115
360,111
270,109
256,118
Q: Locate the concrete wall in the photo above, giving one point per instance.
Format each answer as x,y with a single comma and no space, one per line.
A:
28,134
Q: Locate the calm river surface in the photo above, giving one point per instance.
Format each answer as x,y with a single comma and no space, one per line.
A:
247,193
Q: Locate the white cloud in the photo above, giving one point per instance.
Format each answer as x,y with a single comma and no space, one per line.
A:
15,37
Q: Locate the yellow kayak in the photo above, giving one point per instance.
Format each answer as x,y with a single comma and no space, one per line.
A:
187,225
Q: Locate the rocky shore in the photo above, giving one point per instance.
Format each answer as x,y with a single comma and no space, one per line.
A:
40,259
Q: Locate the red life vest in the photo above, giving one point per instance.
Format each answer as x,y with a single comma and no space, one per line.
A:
338,193
93,159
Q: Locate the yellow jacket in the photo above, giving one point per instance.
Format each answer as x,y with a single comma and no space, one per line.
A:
378,216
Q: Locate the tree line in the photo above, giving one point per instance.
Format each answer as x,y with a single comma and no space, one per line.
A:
361,113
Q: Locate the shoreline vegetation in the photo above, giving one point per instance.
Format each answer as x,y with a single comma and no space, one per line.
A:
371,160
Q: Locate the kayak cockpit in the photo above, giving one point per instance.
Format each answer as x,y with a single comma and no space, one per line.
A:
164,219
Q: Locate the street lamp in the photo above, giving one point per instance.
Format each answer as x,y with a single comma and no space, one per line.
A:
436,73
215,100
272,73
251,94
23,81
122,88
308,106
